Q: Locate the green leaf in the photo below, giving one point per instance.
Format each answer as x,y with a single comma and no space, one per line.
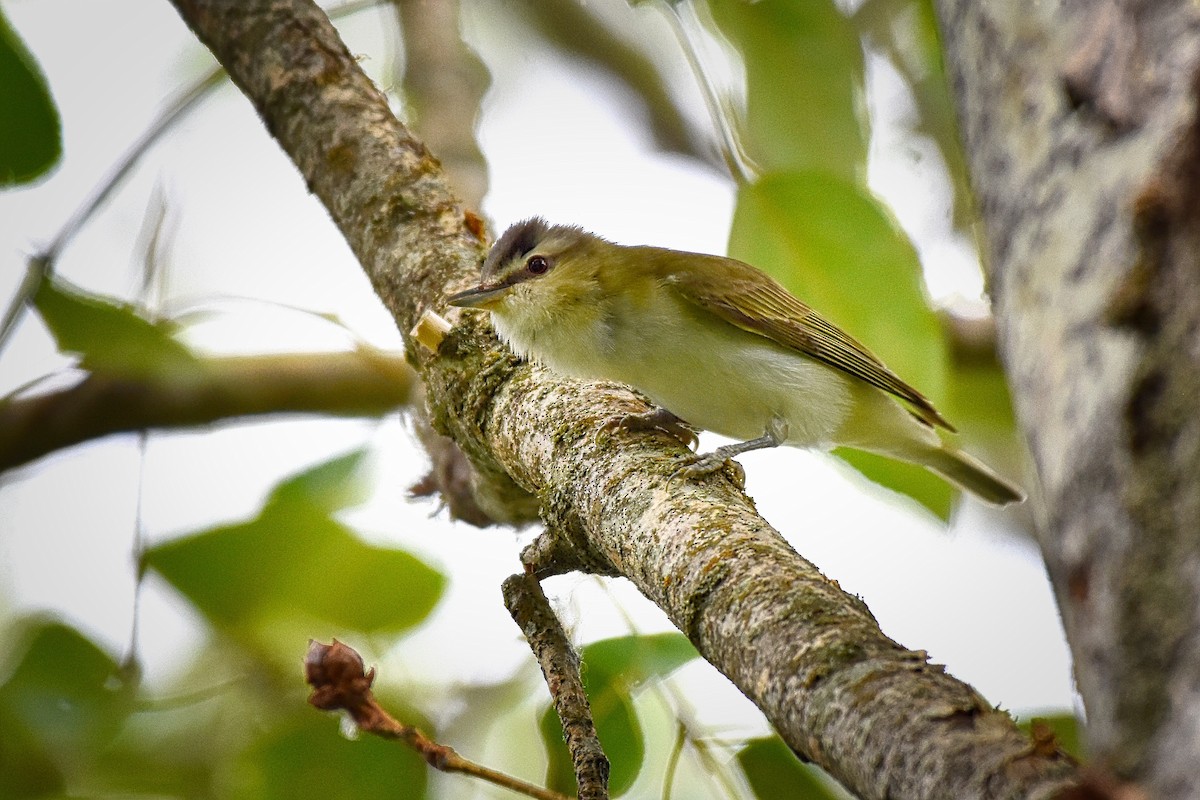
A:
612,670
111,338
773,771
632,660
804,85
980,400
294,567
27,765
30,128
306,757
64,701
331,486
917,482
560,773
837,249
620,735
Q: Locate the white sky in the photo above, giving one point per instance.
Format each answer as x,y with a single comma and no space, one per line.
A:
974,597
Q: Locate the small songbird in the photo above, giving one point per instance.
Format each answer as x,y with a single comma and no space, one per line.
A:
715,344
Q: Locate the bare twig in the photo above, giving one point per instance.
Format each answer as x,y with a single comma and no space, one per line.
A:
531,611
335,671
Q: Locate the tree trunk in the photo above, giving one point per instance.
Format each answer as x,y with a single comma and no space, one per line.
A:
1080,122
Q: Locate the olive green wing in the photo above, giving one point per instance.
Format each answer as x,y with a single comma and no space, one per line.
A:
753,301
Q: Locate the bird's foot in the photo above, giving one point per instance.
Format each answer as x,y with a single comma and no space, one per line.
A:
659,419
697,466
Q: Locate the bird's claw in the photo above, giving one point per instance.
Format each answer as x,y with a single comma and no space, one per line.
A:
697,466
656,420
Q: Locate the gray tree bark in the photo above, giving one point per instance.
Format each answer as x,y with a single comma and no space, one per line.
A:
878,717
1083,138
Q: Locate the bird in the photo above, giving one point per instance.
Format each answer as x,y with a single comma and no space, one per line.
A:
715,344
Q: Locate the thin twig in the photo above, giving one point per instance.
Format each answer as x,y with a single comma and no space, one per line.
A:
525,600
335,671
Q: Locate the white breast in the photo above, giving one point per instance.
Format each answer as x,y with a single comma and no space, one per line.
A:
712,374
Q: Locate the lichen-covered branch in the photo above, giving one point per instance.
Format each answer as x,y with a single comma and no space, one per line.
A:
1083,136
531,611
357,382
878,717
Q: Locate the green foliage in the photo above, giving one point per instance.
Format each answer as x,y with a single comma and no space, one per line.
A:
111,338
295,571
773,771
916,482
30,129
613,669
64,702
804,83
306,756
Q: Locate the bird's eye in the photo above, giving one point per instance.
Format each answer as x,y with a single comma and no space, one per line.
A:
538,265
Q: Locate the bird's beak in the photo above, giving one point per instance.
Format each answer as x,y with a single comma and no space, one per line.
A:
479,297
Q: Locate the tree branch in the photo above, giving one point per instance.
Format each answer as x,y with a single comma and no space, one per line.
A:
525,601
366,382
1083,139
878,717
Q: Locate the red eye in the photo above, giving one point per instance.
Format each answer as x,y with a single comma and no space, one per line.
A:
538,265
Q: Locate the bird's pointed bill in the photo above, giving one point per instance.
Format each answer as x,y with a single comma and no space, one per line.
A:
479,297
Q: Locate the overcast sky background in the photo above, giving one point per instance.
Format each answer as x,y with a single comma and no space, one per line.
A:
247,238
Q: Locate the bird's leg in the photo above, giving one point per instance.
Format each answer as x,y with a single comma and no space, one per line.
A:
656,419
775,435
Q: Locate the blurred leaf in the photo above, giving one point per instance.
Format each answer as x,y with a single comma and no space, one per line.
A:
560,774
632,660
62,703
804,85
65,689
612,670
620,734
307,757
909,479
332,486
111,338
294,564
30,128
26,766
980,399
773,771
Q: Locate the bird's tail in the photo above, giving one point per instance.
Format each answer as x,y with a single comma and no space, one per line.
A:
972,475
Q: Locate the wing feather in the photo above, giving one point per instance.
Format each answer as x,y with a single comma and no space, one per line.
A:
753,301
